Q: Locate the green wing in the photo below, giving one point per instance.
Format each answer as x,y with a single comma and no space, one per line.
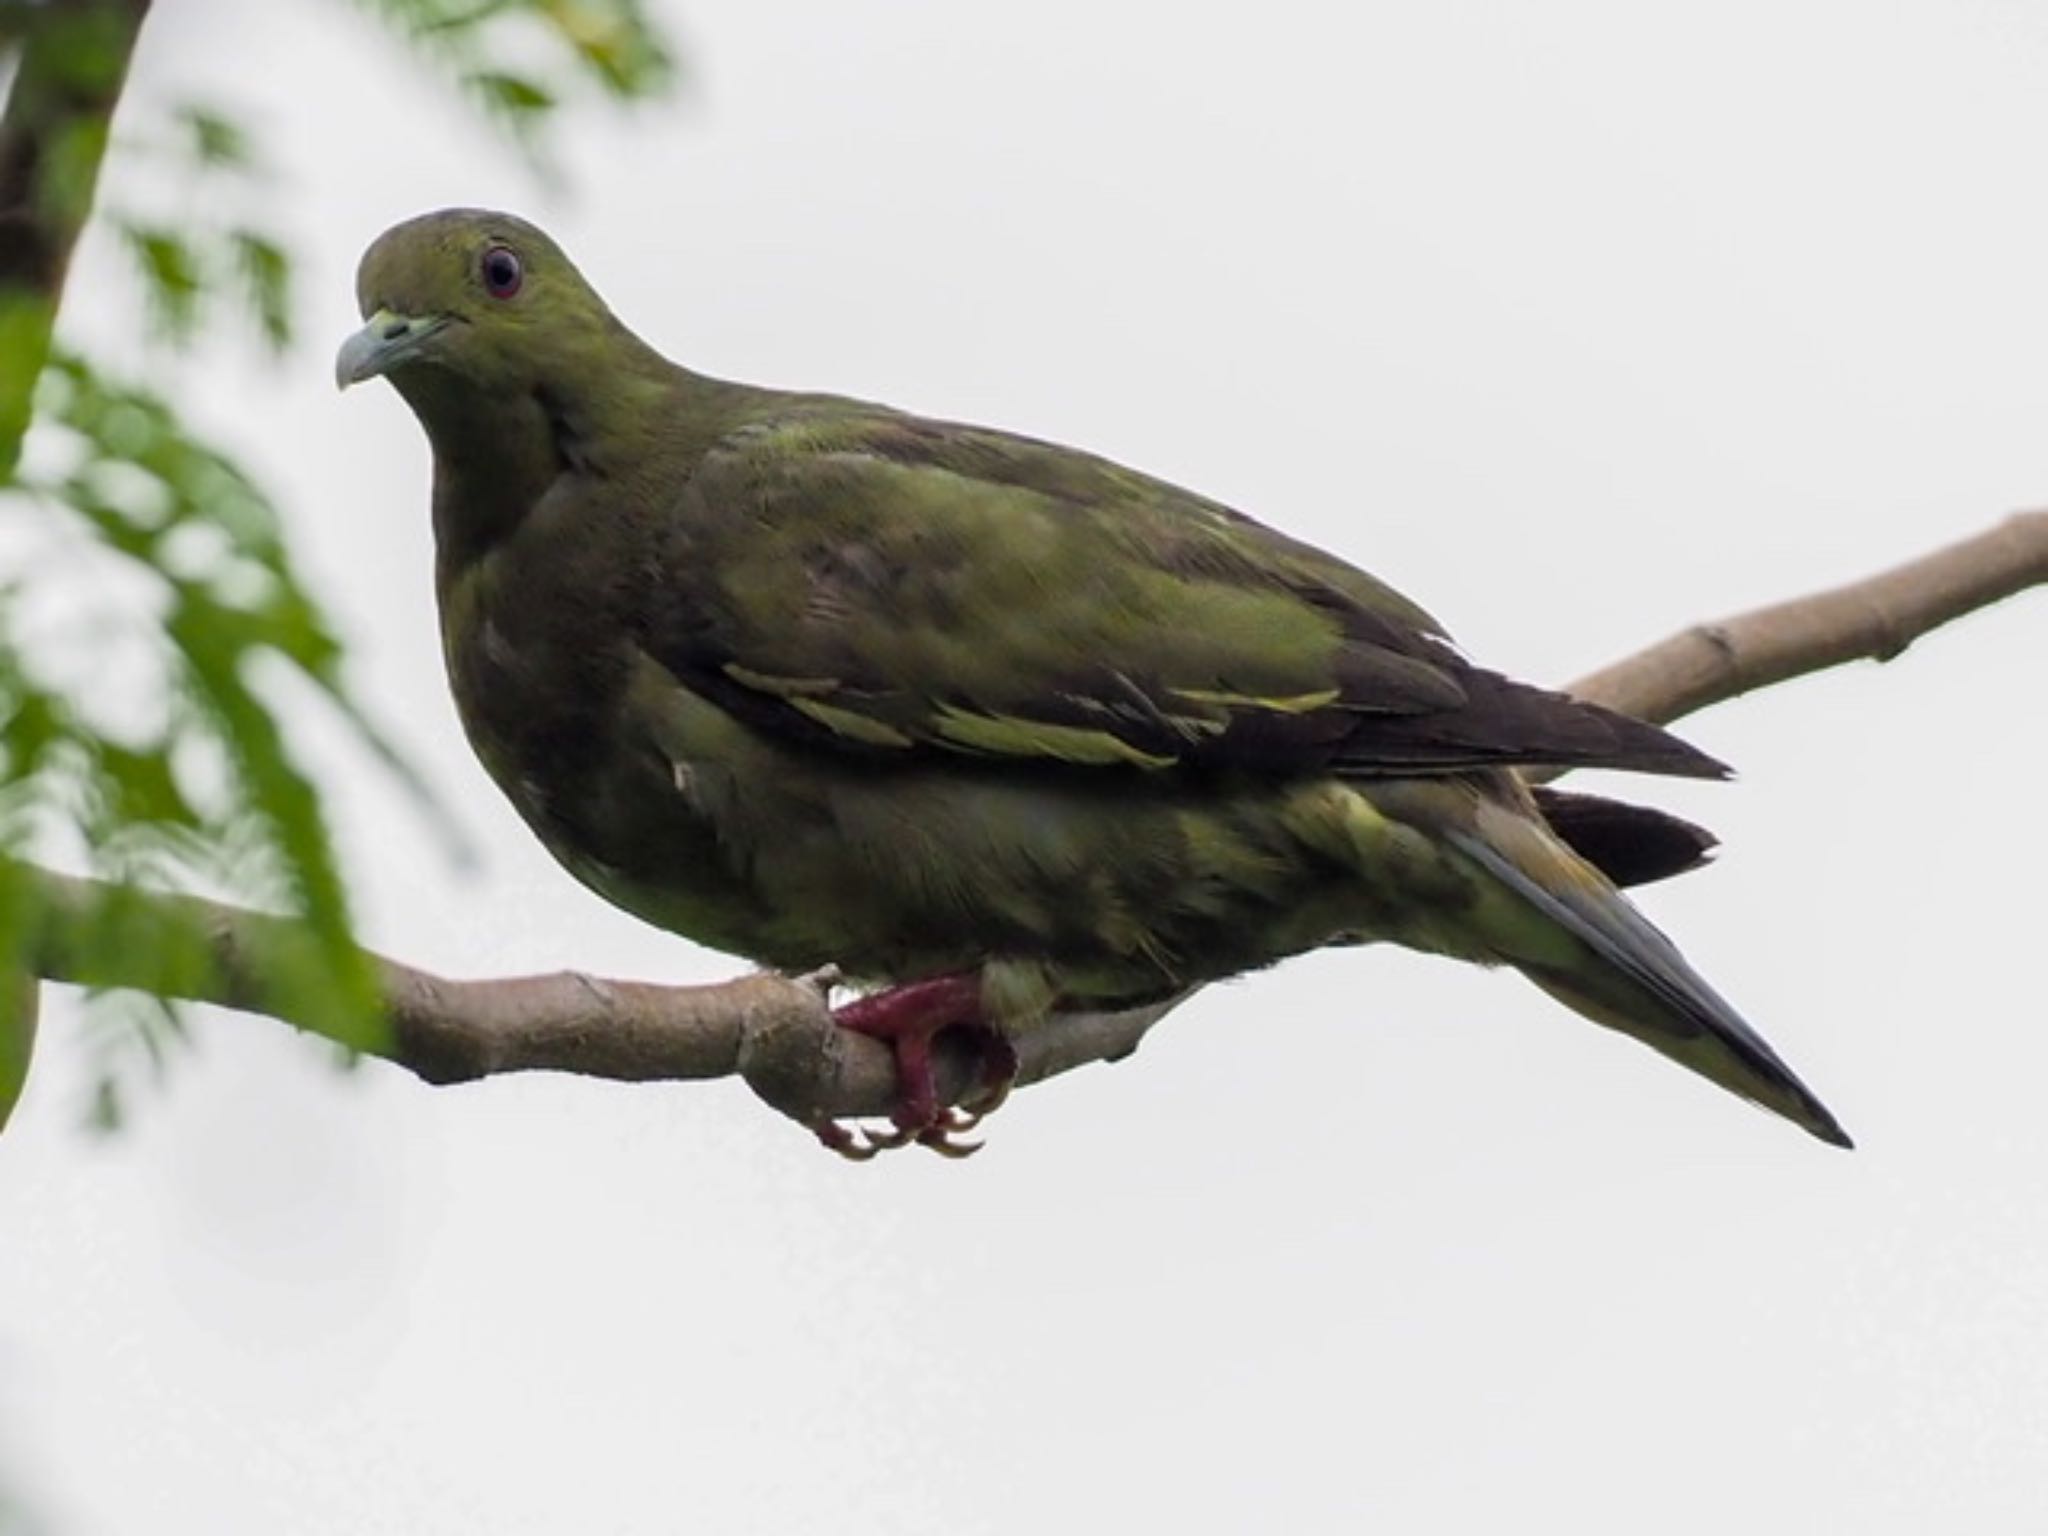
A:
892,586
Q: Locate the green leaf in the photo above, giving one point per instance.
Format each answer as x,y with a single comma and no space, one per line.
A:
614,40
19,996
514,97
146,788
609,43
212,138
266,273
174,282
106,1114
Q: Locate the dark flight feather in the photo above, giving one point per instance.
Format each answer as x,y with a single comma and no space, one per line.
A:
1629,844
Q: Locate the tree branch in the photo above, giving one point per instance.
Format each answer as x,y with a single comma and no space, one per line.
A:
1874,619
60,109
777,1033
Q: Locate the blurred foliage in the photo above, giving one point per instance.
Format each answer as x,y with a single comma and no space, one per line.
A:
19,1002
17,1516
14,1519
520,60
156,600
152,621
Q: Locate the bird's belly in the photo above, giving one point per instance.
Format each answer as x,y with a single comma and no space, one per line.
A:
555,722
625,822
1117,886
1121,885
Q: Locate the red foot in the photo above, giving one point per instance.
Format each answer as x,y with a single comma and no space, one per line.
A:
908,1018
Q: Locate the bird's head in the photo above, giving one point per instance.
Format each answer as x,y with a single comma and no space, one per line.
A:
469,300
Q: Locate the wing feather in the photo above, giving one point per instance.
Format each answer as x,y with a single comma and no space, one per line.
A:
886,585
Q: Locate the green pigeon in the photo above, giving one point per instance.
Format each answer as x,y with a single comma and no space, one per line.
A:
999,728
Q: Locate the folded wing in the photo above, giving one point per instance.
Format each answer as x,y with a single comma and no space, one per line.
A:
888,586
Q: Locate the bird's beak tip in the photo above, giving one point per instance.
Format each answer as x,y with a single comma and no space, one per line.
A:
385,340
361,357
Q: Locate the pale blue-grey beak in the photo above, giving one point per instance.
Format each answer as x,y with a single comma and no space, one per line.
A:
386,341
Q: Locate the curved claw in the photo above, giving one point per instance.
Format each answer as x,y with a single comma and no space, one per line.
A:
985,1101
888,1140
907,1018
850,1142
998,1076
940,1139
863,1143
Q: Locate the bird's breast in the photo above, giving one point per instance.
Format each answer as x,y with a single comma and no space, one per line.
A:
535,650
550,682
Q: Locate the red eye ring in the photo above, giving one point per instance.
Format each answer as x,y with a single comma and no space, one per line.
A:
501,271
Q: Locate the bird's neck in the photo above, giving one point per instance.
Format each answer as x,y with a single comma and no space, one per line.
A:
490,470
497,454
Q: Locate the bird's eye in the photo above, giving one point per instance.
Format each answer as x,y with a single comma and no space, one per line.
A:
501,272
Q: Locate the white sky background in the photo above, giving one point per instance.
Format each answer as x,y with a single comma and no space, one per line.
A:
1576,321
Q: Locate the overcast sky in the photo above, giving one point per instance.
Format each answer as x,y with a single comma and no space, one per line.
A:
1577,322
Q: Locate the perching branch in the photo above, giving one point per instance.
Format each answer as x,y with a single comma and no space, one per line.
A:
771,1030
777,1033
1874,619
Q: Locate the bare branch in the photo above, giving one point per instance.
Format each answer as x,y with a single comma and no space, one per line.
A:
777,1033
773,1031
1876,618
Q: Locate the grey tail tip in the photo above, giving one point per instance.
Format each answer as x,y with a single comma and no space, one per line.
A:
1705,764
1679,757
1828,1129
1805,1109
1811,1116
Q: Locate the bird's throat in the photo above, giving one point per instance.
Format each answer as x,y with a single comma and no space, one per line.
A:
495,457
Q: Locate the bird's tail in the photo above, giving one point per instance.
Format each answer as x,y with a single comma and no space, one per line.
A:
1571,932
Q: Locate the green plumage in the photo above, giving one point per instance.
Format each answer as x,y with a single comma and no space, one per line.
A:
814,681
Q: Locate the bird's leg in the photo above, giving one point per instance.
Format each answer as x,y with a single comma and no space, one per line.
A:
908,1018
